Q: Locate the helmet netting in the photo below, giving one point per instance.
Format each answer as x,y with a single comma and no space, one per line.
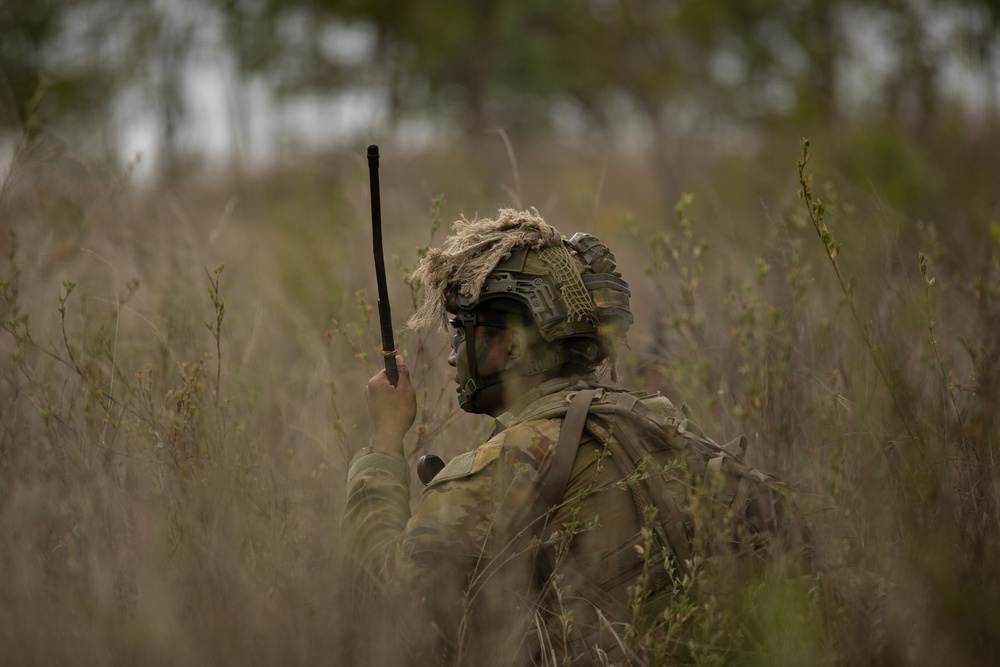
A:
472,252
575,297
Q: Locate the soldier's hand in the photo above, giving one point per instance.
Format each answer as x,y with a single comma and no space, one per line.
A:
391,410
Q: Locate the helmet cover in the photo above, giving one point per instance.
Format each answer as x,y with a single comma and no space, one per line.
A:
570,287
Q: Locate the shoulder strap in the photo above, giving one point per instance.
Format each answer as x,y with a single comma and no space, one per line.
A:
568,444
664,495
627,452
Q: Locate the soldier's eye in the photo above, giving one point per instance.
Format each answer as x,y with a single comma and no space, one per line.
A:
457,333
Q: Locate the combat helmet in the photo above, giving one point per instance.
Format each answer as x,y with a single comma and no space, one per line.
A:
570,287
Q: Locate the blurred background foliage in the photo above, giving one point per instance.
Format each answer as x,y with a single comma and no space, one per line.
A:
665,74
171,466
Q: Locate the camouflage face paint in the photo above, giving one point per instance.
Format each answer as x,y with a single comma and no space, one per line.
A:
483,340
472,365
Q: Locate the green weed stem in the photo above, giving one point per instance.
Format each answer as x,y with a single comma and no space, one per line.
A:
214,277
817,211
929,281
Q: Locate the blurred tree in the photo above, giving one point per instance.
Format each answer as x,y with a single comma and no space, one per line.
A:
62,61
687,74
482,62
171,40
67,65
26,28
681,69
58,88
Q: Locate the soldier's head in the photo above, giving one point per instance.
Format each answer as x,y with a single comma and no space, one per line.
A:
522,301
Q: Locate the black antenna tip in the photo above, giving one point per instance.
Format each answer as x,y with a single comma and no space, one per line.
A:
373,150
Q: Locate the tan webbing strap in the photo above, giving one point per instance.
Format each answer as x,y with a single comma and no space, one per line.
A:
567,446
626,451
669,514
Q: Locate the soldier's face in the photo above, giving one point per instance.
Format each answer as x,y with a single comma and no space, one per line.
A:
490,354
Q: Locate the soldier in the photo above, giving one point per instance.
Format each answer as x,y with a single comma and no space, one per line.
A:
524,549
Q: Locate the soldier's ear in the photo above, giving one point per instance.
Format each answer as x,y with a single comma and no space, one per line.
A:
517,345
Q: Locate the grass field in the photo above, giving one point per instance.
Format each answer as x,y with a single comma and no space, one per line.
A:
182,372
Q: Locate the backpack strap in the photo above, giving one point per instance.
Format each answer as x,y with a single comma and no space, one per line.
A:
627,453
568,444
664,497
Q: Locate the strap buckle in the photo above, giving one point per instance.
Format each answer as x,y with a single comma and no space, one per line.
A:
598,395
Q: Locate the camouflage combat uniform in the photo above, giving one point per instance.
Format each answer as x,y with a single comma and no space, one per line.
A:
465,573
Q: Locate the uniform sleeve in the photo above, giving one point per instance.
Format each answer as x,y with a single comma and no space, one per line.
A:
468,533
377,510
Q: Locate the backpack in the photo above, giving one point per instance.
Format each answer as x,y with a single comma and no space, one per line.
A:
708,501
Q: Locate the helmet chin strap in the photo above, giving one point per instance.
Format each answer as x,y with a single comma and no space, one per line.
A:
475,384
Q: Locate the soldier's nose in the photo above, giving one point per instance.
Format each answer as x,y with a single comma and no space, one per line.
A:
452,358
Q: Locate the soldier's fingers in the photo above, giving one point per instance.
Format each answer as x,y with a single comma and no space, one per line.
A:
401,366
378,382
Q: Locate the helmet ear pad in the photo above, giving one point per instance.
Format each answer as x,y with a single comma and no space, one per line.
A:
577,355
581,345
513,316
582,354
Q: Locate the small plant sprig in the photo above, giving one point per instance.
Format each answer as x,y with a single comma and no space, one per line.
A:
683,255
11,318
215,327
817,211
68,286
436,211
688,259
356,334
930,281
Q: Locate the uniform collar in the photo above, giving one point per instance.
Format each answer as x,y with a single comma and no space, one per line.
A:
547,388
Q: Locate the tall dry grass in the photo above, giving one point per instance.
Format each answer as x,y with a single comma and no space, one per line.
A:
181,389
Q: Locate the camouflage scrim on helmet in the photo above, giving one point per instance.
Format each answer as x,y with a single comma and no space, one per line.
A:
571,288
